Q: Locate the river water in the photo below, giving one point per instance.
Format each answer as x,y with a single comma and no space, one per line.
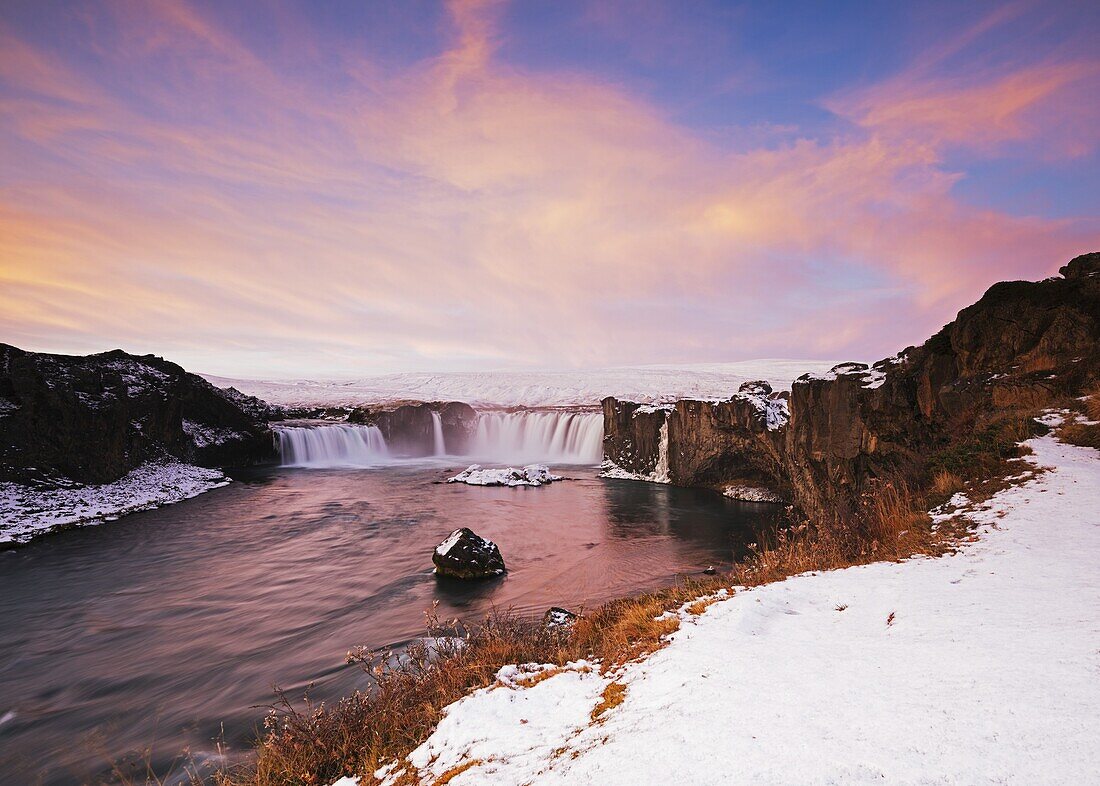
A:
167,628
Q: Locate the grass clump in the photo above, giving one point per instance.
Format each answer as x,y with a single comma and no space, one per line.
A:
613,696
1086,435
1092,402
985,450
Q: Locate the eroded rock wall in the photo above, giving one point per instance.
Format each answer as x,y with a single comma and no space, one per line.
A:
1022,345
93,418
409,429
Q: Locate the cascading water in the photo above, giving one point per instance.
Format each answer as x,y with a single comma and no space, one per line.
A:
500,438
335,445
660,472
439,447
522,437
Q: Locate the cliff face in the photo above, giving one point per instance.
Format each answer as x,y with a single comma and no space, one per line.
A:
409,429
94,418
1023,345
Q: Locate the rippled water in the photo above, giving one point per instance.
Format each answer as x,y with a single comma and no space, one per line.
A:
166,628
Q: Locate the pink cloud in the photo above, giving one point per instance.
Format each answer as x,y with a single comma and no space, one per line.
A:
1048,101
466,211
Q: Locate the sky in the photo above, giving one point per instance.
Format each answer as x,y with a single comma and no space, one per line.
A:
325,189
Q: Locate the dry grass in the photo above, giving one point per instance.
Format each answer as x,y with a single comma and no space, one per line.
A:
892,524
946,484
613,696
701,605
1086,435
317,744
455,771
1092,404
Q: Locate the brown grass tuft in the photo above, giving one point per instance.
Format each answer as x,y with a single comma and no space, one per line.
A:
892,524
945,484
701,605
1092,404
1086,435
455,771
613,696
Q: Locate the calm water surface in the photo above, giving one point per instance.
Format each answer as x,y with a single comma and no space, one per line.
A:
168,627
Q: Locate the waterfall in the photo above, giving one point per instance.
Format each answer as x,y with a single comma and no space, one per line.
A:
336,445
500,438
439,448
552,437
660,472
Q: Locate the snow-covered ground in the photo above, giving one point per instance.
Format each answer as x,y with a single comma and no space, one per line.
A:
648,384
26,511
978,668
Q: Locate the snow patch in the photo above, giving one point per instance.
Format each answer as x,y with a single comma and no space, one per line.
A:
204,436
444,548
507,729
27,511
751,494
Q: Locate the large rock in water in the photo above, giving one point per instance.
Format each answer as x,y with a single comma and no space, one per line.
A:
467,555
92,419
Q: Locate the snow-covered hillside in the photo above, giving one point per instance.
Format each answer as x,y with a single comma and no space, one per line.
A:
647,384
977,668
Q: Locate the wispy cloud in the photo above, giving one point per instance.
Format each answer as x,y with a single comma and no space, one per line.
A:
190,194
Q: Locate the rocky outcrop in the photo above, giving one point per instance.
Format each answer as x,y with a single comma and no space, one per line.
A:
557,618
1022,345
706,443
459,426
409,429
467,555
92,419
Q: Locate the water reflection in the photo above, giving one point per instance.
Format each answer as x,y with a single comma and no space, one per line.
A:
173,624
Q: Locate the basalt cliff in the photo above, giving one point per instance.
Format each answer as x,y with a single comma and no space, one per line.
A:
1023,345
410,429
92,419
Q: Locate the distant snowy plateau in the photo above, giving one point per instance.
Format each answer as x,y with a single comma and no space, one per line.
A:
581,388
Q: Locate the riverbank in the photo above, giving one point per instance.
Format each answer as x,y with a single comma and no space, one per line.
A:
28,512
975,667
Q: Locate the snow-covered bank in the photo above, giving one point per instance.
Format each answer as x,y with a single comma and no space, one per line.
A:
979,667
646,384
26,512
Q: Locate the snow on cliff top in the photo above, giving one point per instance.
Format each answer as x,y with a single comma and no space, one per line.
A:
645,384
975,668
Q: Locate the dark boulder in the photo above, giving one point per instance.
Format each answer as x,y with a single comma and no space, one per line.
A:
557,618
467,555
